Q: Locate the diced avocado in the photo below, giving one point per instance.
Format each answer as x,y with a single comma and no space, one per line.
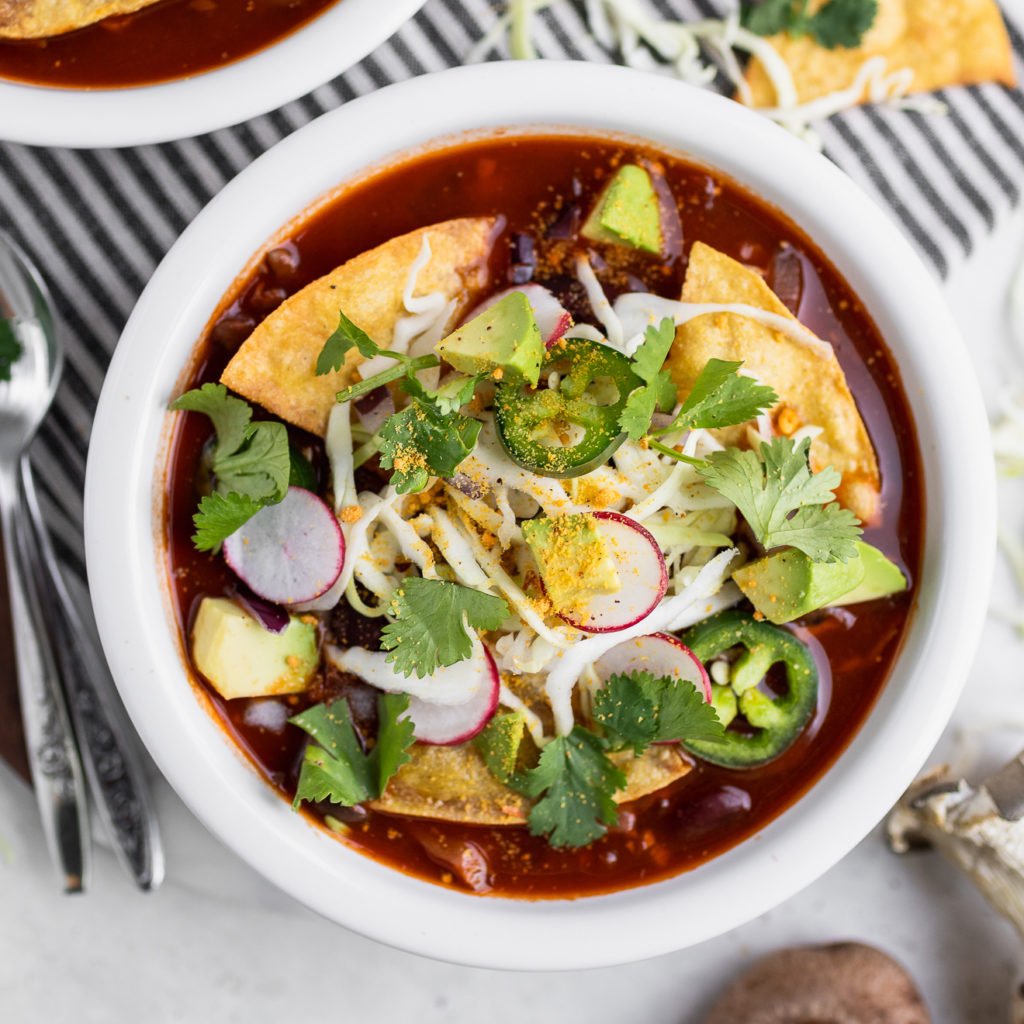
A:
628,212
503,340
881,578
573,559
786,585
499,744
241,658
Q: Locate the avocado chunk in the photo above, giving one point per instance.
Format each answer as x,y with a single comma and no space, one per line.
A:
628,212
786,585
503,340
241,658
882,578
573,559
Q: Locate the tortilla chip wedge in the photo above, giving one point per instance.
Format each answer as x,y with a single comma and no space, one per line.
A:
809,380
453,784
34,19
276,366
944,42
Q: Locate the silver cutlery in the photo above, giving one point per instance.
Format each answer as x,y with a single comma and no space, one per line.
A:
110,752
53,758
106,742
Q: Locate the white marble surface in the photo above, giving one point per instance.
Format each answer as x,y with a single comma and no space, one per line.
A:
219,944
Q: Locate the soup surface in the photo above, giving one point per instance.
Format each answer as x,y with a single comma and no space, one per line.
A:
172,39
538,184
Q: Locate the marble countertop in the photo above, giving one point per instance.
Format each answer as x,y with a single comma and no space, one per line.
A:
219,943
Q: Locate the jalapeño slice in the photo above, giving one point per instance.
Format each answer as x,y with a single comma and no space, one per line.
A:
572,428
775,722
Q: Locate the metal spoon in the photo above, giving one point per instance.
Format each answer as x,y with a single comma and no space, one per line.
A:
106,740
56,769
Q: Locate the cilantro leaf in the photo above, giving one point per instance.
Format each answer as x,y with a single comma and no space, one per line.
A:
639,709
251,463
336,768
346,336
722,397
837,23
230,415
499,745
574,783
419,442
658,388
10,348
450,397
403,368
261,467
769,17
843,22
219,516
431,621
783,502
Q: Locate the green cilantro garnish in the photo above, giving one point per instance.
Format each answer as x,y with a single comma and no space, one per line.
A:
837,23
499,745
658,390
251,463
346,336
336,768
639,709
574,784
429,437
420,442
219,516
431,622
10,348
783,502
721,397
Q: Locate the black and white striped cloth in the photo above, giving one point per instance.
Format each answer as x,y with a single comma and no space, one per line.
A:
97,222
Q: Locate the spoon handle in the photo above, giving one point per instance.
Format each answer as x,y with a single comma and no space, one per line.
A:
110,752
53,758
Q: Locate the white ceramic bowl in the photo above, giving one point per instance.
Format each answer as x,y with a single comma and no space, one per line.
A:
330,44
130,592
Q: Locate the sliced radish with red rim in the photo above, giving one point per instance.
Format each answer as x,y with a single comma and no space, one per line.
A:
553,319
643,577
290,552
658,653
444,725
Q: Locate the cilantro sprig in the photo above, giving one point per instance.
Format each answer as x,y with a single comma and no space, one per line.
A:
837,23
782,501
251,464
10,349
575,781
721,396
336,768
658,390
430,436
430,624
639,709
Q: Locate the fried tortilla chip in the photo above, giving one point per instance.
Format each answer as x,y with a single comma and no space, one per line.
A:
276,366
944,42
35,19
453,784
808,379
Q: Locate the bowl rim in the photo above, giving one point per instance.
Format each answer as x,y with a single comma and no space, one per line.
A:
209,772
141,115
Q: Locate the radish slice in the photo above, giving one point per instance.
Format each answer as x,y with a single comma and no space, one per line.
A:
444,725
290,552
657,653
552,317
642,574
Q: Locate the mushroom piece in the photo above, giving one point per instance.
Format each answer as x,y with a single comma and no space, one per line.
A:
846,983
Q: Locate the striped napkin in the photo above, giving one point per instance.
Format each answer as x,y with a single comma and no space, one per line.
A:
98,222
